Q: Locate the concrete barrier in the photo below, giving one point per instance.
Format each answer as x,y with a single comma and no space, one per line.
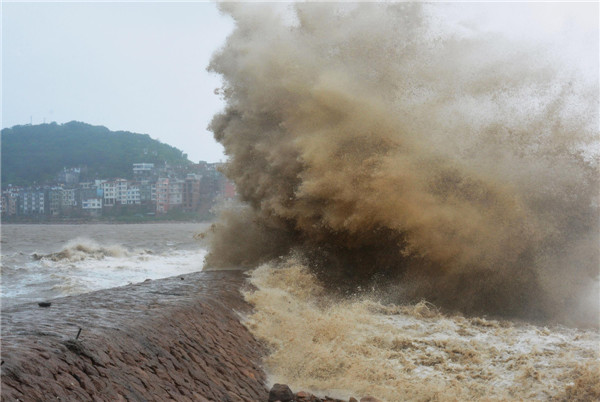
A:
176,339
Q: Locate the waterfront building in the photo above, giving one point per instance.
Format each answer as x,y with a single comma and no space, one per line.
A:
131,196
162,195
121,187
55,199
69,197
191,192
92,206
175,192
169,194
32,202
147,192
10,201
109,193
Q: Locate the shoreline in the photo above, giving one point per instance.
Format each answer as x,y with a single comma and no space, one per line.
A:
99,222
176,338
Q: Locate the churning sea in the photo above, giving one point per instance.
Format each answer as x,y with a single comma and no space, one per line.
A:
41,262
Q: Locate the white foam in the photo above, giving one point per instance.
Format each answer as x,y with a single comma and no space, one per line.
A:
94,268
360,347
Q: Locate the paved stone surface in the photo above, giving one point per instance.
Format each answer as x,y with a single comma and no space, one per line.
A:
174,339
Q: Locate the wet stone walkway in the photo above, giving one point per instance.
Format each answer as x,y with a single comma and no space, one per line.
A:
171,339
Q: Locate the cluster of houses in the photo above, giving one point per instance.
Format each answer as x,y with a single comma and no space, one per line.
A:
191,188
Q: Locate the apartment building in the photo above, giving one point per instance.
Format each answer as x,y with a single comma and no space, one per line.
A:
175,192
191,192
32,202
55,199
91,203
12,204
131,196
69,197
162,195
154,189
10,201
169,194
147,192
109,193
92,206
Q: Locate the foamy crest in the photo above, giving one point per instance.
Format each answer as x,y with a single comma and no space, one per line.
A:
85,265
80,249
358,347
79,275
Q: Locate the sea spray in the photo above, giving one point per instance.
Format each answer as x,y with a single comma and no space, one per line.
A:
389,149
406,187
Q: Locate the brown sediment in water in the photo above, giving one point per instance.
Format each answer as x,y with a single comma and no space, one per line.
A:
360,346
380,150
172,339
391,147
180,338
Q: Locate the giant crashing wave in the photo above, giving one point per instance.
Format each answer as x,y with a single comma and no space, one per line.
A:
389,153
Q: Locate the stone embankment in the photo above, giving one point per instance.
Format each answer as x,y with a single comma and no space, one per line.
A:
172,339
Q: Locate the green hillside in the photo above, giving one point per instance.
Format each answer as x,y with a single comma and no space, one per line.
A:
37,153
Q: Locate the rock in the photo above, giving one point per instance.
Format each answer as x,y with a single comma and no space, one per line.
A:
281,392
370,399
306,397
352,399
303,394
44,304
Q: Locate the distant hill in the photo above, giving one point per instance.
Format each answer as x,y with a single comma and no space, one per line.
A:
37,153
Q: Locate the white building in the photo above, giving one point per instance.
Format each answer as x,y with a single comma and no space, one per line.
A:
142,168
92,206
32,202
131,196
91,203
121,188
175,192
109,193
115,192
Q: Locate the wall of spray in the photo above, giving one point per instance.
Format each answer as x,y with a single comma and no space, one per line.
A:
389,150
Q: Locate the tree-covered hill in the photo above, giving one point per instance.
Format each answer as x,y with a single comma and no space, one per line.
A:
35,154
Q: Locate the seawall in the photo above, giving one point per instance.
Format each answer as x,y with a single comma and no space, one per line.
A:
171,339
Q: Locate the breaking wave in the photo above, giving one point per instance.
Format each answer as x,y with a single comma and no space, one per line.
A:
81,249
397,153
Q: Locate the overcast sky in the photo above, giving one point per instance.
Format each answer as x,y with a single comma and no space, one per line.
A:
141,66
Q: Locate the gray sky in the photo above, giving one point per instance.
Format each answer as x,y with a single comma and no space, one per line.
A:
141,66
